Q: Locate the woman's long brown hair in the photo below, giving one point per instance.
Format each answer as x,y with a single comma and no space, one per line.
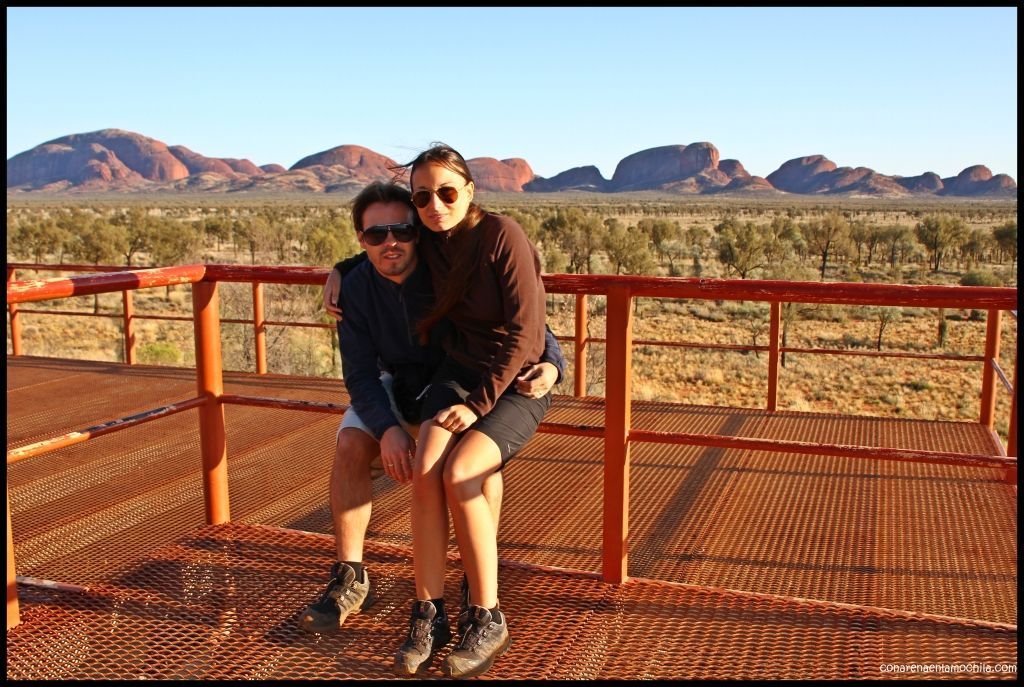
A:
465,241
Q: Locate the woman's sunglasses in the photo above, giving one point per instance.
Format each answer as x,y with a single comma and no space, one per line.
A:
447,194
378,233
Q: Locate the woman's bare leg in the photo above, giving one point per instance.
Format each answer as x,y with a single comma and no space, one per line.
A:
466,468
429,511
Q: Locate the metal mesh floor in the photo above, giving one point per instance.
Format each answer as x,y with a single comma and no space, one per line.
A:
712,531
224,601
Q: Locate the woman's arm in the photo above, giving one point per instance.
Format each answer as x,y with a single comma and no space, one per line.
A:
517,268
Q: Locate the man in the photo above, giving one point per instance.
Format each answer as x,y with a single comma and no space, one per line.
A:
385,370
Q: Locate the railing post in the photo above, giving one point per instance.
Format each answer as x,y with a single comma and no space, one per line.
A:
13,611
773,356
988,373
1010,474
580,370
617,408
1011,438
259,323
210,385
129,333
15,321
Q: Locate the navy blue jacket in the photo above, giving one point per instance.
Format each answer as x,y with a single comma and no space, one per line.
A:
377,333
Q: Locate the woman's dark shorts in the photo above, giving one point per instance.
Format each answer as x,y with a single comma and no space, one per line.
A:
512,420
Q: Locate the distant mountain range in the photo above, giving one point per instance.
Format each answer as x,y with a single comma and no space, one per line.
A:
114,161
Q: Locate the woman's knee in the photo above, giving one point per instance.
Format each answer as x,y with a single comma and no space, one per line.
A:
426,484
463,477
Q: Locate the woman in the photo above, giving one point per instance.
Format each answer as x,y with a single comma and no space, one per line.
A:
487,279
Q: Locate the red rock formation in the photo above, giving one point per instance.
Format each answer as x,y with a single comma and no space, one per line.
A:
357,161
733,169
699,157
577,179
978,181
490,174
749,184
197,164
665,166
929,182
109,155
524,173
800,175
649,169
147,156
115,160
1001,183
242,166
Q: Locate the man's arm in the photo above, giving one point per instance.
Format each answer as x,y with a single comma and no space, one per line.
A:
362,374
332,287
540,378
553,353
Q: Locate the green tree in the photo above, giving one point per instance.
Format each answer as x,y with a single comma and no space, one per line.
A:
825,236
37,238
859,234
741,247
884,315
661,232
780,236
1006,238
974,246
565,229
326,244
280,232
898,241
252,234
695,243
98,242
872,240
938,233
173,242
628,250
590,238
138,226
217,228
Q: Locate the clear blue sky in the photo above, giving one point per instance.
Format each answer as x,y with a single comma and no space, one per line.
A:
900,90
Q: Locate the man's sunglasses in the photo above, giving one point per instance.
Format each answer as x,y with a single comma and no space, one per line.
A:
447,194
378,233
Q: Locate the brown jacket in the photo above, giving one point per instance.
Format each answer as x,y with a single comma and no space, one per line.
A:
499,323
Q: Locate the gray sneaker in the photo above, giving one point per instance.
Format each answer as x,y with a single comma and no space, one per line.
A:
344,595
428,632
464,620
480,645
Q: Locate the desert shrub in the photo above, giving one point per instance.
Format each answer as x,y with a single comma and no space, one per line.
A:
852,341
750,310
980,278
702,312
159,353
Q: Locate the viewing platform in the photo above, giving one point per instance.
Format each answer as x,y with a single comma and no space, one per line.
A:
638,539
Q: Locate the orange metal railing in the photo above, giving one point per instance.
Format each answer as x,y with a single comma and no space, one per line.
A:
579,338
617,431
